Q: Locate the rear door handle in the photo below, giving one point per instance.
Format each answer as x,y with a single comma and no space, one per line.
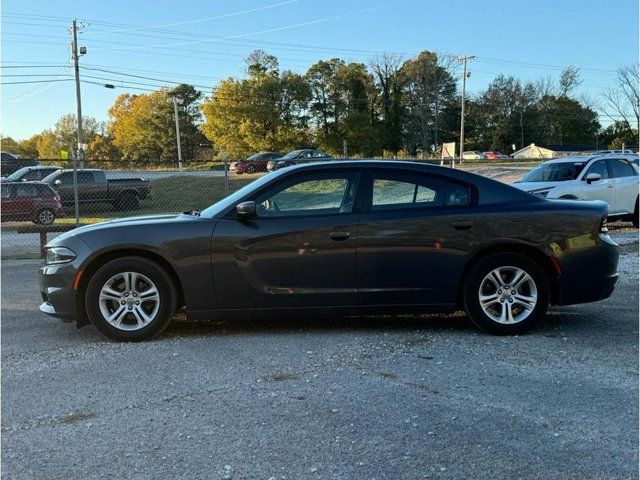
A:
462,225
339,236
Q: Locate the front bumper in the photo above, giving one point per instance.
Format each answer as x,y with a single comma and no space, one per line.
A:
59,299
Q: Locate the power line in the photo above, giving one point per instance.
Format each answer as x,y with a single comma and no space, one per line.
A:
37,81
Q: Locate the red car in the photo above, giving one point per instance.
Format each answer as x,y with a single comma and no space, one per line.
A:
255,163
495,155
33,201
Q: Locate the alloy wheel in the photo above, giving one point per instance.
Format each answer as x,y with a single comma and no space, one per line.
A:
508,295
129,301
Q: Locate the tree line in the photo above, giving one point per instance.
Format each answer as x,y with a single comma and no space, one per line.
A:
390,107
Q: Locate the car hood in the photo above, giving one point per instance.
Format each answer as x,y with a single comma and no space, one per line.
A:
128,222
535,186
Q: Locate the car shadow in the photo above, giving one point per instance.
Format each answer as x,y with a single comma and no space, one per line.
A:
181,327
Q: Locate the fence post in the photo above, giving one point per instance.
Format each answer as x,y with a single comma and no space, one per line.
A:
226,173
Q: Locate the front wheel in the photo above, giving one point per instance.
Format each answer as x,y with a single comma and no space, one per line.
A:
506,294
636,216
130,299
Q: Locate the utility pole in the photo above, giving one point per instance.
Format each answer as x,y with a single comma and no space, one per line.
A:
464,59
79,156
177,101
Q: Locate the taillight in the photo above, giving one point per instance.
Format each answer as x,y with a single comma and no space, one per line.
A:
57,198
603,225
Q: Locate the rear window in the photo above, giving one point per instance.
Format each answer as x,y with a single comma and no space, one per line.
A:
407,190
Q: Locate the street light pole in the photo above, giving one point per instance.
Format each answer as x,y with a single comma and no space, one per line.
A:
464,60
177,101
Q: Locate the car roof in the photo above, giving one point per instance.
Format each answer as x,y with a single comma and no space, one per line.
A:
33,182
588,158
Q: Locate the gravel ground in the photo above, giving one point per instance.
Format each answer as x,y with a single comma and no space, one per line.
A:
363,398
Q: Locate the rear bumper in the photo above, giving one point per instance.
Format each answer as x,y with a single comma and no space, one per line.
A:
589,275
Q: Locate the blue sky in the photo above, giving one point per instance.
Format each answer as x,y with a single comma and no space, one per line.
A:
526,39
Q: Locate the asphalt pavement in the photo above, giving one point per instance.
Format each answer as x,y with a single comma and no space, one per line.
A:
343,398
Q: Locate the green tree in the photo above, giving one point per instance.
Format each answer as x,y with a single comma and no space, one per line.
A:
265,111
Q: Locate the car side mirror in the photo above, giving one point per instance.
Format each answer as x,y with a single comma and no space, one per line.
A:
246,210
57,183
593,177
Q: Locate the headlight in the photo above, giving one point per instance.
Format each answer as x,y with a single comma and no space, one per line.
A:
540,193
57,255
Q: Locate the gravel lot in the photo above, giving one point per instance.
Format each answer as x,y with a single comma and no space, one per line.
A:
384,398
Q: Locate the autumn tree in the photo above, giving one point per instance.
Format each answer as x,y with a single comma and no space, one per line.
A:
265,111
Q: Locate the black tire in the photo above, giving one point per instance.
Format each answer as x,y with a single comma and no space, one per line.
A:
636,216
45,216
251,169
128,201
151,270
476,278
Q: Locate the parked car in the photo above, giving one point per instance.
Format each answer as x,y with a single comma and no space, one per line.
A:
255,163
612,178
30,201
493,155
10,162
474,155
354,237
296,157
95,188
30,174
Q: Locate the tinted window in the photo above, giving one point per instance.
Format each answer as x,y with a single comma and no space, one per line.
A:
599,167
406,190
310,194
45,190
25,190
84,177
6,191
620,168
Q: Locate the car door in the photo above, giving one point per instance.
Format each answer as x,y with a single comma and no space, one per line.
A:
25,199
63,184
413,236
625,185
298,251
601,189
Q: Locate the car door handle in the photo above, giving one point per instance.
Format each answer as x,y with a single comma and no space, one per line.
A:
462,225
339,236
610,185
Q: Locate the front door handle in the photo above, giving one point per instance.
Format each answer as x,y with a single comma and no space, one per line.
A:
462,225
610,185
339,236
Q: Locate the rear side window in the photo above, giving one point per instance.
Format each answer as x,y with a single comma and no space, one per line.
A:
25,190
6,191
620,168
85,177
406,190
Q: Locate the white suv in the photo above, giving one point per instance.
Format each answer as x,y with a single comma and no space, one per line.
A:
612,178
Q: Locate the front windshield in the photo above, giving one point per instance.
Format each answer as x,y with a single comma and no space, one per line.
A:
293,154
49,178
17,175
235,197
253,157
554,172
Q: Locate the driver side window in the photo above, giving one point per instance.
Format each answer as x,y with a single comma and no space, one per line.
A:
315,194
599,167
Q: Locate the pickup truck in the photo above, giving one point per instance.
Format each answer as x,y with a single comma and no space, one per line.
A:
11,163
94,188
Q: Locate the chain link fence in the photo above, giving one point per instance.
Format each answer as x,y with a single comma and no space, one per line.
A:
110,190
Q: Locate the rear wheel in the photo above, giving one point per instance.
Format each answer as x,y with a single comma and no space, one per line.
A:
130,299
506,294
45,216
251,169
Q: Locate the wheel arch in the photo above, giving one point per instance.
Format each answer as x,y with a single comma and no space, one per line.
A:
536,254
95,263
